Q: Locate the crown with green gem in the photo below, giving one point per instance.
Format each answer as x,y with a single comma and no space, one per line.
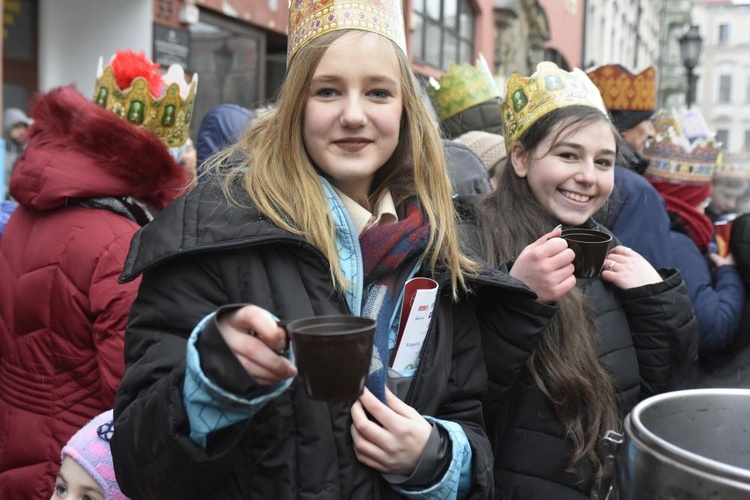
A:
462,87
167,116
548,89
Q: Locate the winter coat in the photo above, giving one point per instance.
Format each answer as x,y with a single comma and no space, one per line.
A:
467,172
643,356
484,116
208,253
637,214
62,312
717,294
731,368
221,127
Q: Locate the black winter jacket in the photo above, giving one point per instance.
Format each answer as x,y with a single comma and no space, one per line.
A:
647,338
484,116
202,253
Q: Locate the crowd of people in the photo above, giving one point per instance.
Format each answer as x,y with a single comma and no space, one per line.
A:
147,281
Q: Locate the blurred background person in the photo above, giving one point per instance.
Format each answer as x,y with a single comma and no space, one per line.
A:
731,181
222,126
635,211
16,136
466,99
681,168
92,175
490,148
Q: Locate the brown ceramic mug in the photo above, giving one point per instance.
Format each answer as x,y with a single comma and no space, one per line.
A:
332,354
591,248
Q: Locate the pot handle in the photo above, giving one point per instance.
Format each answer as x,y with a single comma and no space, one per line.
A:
610,445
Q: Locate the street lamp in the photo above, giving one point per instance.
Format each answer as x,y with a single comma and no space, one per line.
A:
690,52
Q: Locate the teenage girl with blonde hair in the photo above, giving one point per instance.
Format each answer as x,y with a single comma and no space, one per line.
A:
335,198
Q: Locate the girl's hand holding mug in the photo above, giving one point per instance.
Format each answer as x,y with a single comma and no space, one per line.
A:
256,340
546,266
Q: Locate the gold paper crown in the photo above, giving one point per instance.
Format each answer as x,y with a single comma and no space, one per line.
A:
548,89
683,149
311,18
167,116
462,87
623,90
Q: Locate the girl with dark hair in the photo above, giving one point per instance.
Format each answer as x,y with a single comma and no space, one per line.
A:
615,339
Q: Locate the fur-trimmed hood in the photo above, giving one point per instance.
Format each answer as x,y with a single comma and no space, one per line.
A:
77,149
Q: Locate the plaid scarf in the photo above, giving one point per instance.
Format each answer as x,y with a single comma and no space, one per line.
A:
385,251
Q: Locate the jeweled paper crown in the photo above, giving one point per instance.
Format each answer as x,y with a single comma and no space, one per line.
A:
462,87
311,18
625,91
549,88
683,149
167,116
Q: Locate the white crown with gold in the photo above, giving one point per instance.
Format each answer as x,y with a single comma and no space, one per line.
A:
167,116
683,149
311,18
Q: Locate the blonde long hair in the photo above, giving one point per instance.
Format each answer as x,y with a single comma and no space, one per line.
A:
284,185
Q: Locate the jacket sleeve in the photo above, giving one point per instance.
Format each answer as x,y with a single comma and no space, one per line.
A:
460,404
665,334
511,326
110,306
717,299
153,453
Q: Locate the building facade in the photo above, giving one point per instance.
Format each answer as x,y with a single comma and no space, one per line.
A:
671,72
622,32
237,47
723,91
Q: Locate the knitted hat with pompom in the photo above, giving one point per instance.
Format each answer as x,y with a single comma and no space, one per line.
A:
90,448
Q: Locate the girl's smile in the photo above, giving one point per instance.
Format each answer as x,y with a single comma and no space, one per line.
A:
575,175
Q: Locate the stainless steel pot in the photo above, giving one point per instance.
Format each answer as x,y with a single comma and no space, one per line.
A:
686,445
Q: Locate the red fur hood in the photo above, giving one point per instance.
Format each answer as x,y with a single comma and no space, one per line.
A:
77,149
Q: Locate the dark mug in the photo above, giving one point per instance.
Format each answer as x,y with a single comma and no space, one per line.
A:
332,354
591,248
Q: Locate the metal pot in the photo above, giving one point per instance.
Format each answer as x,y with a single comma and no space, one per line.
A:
685,445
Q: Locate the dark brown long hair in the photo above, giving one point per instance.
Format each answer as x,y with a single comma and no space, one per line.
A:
564,365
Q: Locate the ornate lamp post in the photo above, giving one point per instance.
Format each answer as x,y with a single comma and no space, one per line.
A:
690,51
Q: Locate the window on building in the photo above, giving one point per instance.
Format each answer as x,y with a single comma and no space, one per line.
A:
443,32
722,136
725,88
723,34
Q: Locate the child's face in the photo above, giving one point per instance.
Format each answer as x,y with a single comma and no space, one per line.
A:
576,175
74,483
353,112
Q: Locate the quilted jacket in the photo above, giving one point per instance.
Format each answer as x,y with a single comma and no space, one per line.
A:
62,312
